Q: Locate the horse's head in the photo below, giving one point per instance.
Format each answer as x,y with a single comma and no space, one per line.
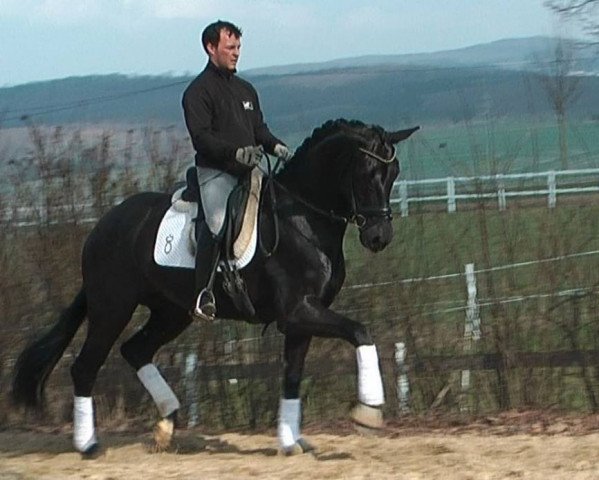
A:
372,170
346,170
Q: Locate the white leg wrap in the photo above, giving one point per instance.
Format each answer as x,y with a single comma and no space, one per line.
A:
289,421
84,435
370,383
161,393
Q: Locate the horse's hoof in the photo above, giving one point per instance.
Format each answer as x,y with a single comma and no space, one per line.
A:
305,446
367,419
299,447
163,433
291,451
92,452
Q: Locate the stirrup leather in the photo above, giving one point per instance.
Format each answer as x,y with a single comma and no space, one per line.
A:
207,311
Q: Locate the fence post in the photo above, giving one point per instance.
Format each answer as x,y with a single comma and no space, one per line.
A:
403,198
471,332
501,199
451,205
403,384
472,308
191,363
551,188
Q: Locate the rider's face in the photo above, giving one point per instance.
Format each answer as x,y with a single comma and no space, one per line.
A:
226,53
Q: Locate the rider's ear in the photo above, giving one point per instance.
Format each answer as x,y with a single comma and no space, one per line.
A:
211,48
396,137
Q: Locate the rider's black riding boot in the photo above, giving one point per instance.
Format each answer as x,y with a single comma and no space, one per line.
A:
207,256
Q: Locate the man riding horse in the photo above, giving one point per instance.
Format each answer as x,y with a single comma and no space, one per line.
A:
342,174
229,135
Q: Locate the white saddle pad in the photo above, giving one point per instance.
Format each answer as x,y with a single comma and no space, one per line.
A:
175,241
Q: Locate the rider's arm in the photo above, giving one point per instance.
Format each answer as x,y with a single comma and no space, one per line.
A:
198,118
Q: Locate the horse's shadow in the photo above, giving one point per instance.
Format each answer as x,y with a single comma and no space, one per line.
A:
189,445
53,444
194,444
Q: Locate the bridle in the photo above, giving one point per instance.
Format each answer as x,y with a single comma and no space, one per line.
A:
378,157
359,215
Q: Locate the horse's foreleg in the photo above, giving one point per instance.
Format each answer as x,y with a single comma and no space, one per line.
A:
368,412
311,318
288,432
163,326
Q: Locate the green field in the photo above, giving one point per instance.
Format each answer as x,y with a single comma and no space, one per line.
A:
497,147
489,147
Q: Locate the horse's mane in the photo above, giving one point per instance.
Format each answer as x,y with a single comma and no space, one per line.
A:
318,134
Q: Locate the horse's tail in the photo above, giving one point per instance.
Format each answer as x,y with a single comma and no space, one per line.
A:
36,362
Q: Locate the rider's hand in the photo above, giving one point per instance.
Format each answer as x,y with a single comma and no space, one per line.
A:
281,151
249,156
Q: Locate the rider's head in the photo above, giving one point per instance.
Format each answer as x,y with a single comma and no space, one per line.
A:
222,42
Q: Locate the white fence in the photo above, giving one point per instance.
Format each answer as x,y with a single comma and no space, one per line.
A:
499,187
447,190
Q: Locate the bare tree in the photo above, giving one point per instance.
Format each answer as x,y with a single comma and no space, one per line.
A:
562,89
584,11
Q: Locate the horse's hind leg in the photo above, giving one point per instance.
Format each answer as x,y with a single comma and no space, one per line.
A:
165,324
106,321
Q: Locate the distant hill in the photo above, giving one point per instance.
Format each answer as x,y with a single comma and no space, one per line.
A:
514,53
466,84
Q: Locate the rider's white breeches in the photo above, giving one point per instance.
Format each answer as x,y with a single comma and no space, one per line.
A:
215,188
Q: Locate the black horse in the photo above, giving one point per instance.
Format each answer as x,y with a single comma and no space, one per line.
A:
342,174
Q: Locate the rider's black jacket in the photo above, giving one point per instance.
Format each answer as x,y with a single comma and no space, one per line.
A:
222,113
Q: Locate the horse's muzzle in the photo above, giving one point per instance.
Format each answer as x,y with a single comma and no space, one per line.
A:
377,236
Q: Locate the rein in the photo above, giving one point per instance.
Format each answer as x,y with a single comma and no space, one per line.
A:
358,215
270,178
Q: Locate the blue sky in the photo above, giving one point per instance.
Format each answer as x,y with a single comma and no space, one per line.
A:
46,39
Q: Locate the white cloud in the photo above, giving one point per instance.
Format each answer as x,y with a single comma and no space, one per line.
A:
68,11
63,12
117,11
181,9
82,11
366,17
15,8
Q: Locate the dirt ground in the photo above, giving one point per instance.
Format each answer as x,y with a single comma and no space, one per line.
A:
493,448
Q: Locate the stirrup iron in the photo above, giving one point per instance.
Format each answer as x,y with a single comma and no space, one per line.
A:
208,310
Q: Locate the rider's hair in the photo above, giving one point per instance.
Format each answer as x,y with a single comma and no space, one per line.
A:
211,34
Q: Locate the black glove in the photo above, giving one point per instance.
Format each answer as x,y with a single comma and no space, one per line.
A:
249,156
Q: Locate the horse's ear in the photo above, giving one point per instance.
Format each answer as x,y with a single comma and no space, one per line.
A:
396,137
